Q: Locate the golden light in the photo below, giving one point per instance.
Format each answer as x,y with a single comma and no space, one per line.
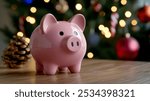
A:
122,23
113,8
105,31
20,34
100,27
128,14
33,9
123,2
134,22
30,19
108,35
78,6
27,40
46,1
90,55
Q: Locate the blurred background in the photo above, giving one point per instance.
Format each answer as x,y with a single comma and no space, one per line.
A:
115,29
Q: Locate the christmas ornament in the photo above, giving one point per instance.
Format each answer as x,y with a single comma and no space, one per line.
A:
28,2
96,5
127,48
17,52
62,6
58,44
93,39
114,22
144,14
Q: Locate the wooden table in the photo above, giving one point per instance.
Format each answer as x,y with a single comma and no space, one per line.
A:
93,71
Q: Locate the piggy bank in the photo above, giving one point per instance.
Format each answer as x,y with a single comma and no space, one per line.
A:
56,45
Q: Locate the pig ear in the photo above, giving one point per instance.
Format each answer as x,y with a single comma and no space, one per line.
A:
47,21
79,19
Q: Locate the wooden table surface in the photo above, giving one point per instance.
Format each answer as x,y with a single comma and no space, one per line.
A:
92,72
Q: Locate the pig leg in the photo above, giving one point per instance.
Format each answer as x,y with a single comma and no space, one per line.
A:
39,68
75,68
50,69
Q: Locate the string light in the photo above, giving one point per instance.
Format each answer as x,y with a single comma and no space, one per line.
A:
122,23
46,1
90,55
100,27
108,35
20,34
128,14
134,22
105,31
113,8
33,9
30,19
123,2
78,6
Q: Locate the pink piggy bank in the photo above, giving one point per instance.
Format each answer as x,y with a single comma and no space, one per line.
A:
56,45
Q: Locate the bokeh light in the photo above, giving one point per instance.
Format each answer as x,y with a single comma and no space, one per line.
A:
78,6
46,1
134,22
113,8
90,55
122,23
127,35
30,19
128,14
105,31
33,9
123,2
100,27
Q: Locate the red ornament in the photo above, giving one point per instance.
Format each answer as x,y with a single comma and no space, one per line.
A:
96,5
127,48
144,14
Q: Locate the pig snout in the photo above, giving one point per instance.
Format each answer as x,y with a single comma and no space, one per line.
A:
73,44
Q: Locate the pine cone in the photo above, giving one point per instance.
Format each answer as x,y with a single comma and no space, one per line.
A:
17,52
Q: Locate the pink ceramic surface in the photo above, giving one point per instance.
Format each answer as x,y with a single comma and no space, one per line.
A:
56,45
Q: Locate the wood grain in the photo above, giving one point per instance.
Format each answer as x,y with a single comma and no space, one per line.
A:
92,72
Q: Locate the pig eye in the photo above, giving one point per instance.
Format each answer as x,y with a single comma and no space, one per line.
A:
61,33
75,32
